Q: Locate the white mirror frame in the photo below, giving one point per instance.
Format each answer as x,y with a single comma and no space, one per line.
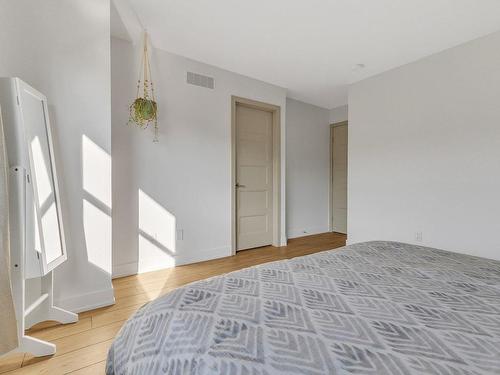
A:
45,267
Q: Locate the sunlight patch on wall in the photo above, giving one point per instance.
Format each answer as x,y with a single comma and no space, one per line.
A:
96,171
156,222
97,228
152,257
156,235
96,174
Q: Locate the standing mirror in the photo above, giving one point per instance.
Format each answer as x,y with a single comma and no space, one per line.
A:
37,244
48,235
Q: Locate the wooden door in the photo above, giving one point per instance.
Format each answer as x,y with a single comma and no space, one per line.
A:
254,177
339,178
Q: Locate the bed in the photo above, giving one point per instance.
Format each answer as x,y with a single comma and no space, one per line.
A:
368,308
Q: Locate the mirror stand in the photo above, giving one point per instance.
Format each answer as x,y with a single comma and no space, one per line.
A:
42,308
37,241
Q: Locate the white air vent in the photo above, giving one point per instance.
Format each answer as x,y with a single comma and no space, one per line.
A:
200,80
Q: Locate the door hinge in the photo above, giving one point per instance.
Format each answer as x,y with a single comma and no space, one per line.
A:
17,99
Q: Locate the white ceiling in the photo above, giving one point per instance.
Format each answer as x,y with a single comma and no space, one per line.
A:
311,47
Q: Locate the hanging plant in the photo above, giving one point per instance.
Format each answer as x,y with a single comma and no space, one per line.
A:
144,110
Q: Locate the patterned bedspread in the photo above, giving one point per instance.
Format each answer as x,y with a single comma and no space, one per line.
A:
369,308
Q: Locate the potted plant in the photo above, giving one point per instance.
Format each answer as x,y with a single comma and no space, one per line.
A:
144,109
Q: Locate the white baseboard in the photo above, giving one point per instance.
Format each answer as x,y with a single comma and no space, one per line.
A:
350,240
88,301
302,232
127,269
203,255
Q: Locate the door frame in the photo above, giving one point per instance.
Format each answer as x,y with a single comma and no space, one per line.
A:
330,213
276,112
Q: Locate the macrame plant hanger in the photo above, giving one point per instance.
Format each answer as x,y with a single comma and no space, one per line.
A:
144,110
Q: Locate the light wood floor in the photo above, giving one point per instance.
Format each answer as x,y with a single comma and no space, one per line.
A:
82,347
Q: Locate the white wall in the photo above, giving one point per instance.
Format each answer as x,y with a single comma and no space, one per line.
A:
424,152
338,114
62,49
183,181
308,169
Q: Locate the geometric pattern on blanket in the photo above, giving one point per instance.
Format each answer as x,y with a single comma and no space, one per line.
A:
368,308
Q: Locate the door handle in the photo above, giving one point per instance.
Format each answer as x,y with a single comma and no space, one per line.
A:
239,186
